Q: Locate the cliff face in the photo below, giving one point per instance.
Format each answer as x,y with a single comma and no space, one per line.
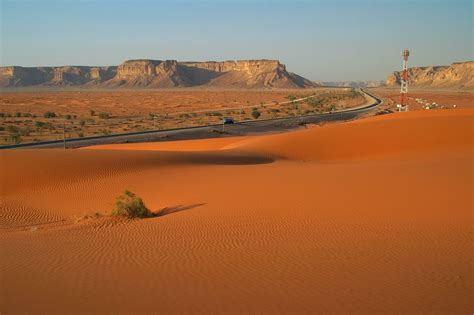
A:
161,74
54,76
457,75
354,84
244,73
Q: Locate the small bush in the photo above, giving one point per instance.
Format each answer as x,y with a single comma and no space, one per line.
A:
49,115
105,132
255,114
104,115
25,131
92,112
131,206
13,129
68,117
15,138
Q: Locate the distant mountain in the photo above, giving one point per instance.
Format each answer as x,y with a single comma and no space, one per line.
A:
354,84
457,75
160,74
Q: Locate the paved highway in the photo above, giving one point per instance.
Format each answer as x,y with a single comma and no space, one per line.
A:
249,127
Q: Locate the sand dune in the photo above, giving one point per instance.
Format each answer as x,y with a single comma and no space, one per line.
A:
371,216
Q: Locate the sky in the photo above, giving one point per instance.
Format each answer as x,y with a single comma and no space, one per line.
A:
320,40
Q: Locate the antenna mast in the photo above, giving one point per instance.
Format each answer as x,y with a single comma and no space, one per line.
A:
403,106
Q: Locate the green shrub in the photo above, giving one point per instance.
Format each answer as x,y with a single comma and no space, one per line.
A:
104,115
255,114
68,117
130,206
13,129
25,131
49,115
15,138
105,132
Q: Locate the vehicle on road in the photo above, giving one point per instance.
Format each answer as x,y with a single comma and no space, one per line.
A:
228,121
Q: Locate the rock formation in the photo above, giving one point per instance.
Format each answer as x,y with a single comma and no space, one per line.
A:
54,76
160,74
354,84
457,75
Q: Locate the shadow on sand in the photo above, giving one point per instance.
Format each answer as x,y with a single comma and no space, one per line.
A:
170,210
224,158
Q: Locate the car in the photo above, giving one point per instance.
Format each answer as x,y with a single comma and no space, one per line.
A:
227,121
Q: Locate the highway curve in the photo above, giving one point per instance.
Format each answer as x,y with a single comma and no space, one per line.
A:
249,127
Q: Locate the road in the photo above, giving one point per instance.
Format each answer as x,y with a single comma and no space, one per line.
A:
250,127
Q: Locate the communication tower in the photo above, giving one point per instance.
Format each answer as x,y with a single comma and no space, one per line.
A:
403,106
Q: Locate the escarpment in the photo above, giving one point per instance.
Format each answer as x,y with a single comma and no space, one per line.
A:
457,75
160,74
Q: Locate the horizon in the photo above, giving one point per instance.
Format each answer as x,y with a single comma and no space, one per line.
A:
438,33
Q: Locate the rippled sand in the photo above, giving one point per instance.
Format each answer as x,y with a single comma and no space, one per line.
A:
371,216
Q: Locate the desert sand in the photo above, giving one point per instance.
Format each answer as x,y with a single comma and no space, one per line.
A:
369,216
446,98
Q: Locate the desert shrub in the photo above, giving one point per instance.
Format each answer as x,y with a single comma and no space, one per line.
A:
331,108
68,117
103,115
92,112
82,123
25,131
291,97
13,129
213,114
49,115
18,114
105,132
15,138
2,128
80,135
2,115
131,206
255,114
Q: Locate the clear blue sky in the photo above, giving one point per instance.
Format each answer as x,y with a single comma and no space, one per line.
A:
321,40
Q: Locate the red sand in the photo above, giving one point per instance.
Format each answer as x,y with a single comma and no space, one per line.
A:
371,216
